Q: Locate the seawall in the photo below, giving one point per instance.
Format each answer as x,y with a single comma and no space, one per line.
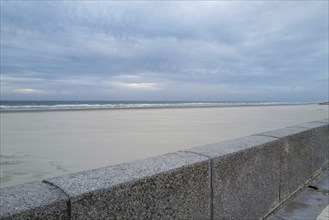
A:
244,178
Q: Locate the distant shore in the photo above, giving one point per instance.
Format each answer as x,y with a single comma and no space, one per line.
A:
52,143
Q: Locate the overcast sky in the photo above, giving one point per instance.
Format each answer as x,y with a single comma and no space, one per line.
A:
164,50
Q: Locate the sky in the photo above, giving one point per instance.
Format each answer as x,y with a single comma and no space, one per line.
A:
165,50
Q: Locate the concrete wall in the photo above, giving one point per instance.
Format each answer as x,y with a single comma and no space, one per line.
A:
245,178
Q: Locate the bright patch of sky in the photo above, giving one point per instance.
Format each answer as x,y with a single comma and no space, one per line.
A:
164,50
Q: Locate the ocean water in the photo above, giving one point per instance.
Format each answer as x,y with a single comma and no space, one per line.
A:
76,105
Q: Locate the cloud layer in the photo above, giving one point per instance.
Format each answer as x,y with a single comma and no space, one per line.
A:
216,50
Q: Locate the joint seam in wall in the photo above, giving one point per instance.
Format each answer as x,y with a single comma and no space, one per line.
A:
186,151
280,203
211,183
306,127
265,135
280,173
318,122
68,203
302,127
211,190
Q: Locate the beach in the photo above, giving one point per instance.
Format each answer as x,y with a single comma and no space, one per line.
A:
40,144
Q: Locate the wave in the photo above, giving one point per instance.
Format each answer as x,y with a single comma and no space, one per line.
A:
42,105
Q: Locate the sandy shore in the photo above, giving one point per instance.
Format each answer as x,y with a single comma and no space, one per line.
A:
38,145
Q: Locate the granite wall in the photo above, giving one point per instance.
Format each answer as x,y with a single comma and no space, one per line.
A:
245,178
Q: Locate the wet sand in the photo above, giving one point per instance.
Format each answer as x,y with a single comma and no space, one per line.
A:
38,145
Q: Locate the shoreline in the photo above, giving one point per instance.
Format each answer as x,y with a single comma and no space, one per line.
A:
155,107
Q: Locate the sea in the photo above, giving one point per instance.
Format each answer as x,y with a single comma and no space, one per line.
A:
84,105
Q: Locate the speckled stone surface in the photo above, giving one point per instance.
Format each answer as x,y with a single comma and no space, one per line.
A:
320,148
308,203
171,186
320,145
35,200
296,158
245,176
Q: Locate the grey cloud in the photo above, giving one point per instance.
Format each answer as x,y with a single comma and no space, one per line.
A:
192,45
